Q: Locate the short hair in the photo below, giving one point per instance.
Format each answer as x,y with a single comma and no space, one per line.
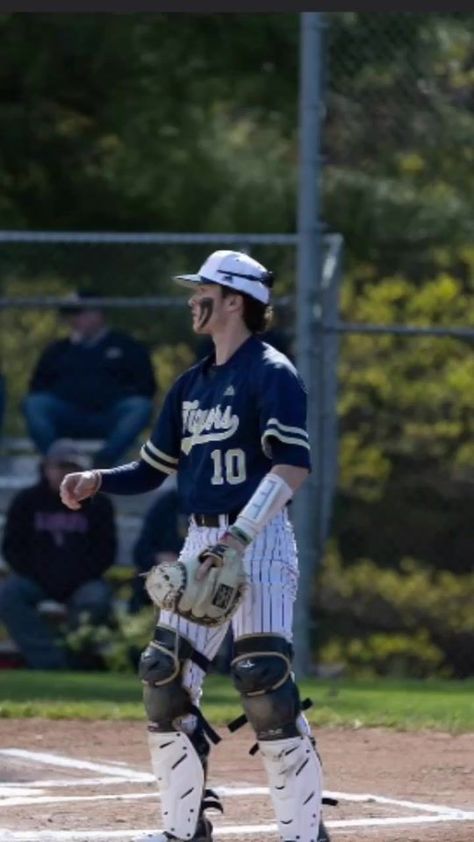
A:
256,315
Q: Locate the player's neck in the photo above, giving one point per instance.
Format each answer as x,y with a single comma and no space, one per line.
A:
227,341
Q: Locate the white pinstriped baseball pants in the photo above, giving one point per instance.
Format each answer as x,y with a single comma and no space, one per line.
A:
272,567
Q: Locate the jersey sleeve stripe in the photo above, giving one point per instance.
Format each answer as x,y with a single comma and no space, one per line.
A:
155,452
160,466
266,447
274,422
285,439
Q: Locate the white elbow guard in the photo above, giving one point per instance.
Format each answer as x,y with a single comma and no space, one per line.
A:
267,500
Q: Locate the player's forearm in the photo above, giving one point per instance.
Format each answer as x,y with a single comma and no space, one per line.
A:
133,478
293,475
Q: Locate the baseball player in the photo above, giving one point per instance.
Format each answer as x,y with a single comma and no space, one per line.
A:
233,427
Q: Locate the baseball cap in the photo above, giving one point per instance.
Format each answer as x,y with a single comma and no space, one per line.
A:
77,302
65,452
233,269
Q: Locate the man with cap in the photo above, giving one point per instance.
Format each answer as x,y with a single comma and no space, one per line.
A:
233,428
55,554
97,383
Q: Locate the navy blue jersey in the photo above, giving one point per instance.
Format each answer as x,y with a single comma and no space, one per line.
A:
223,427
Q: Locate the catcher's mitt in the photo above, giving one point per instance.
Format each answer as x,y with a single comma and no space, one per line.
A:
209,601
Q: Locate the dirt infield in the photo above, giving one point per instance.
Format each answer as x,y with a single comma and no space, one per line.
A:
93,779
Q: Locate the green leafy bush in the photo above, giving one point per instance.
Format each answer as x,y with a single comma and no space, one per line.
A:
394,655
413,621
118,647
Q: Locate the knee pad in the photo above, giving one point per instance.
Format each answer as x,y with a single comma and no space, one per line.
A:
161,672
261,672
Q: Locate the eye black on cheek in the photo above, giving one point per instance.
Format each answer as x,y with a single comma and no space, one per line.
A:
206,307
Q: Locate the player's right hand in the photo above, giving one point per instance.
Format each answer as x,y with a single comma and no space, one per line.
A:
79,486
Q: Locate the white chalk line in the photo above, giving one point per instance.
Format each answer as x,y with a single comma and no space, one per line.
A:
67,783
18,801
115,773
233,792
229,830
32,797
118,770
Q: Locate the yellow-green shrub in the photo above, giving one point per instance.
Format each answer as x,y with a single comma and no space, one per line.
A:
412,621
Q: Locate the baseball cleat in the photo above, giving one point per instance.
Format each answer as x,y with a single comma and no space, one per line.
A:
203,831
203,834
323,835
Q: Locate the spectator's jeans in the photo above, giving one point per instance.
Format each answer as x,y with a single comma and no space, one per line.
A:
41,649
2,401
49,418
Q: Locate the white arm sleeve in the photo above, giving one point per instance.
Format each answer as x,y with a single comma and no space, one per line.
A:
267,500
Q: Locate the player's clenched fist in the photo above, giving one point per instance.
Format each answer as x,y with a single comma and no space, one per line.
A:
79,486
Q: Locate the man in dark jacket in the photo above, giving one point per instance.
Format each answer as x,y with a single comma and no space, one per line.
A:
54,553
97,383
2,401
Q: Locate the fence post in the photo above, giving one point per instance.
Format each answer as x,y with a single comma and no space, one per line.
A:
308,356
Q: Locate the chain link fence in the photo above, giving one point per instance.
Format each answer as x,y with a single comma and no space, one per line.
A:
397,81
397,138
396,483
398,181
390,67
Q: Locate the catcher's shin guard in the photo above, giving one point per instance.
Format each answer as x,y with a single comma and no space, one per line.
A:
262,673
177,742
180,775
295,780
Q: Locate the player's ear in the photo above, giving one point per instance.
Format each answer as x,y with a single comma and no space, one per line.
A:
235,302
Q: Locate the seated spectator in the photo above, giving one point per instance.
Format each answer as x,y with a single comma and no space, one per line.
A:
97,383
57,554
2,401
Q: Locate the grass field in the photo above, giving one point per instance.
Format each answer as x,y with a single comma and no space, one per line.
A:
406,705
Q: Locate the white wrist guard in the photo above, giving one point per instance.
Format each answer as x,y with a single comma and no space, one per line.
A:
267,500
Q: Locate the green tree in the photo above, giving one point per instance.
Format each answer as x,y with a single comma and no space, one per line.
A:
189,122
146,122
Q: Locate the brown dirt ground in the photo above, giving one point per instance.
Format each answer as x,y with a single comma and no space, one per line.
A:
429,767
